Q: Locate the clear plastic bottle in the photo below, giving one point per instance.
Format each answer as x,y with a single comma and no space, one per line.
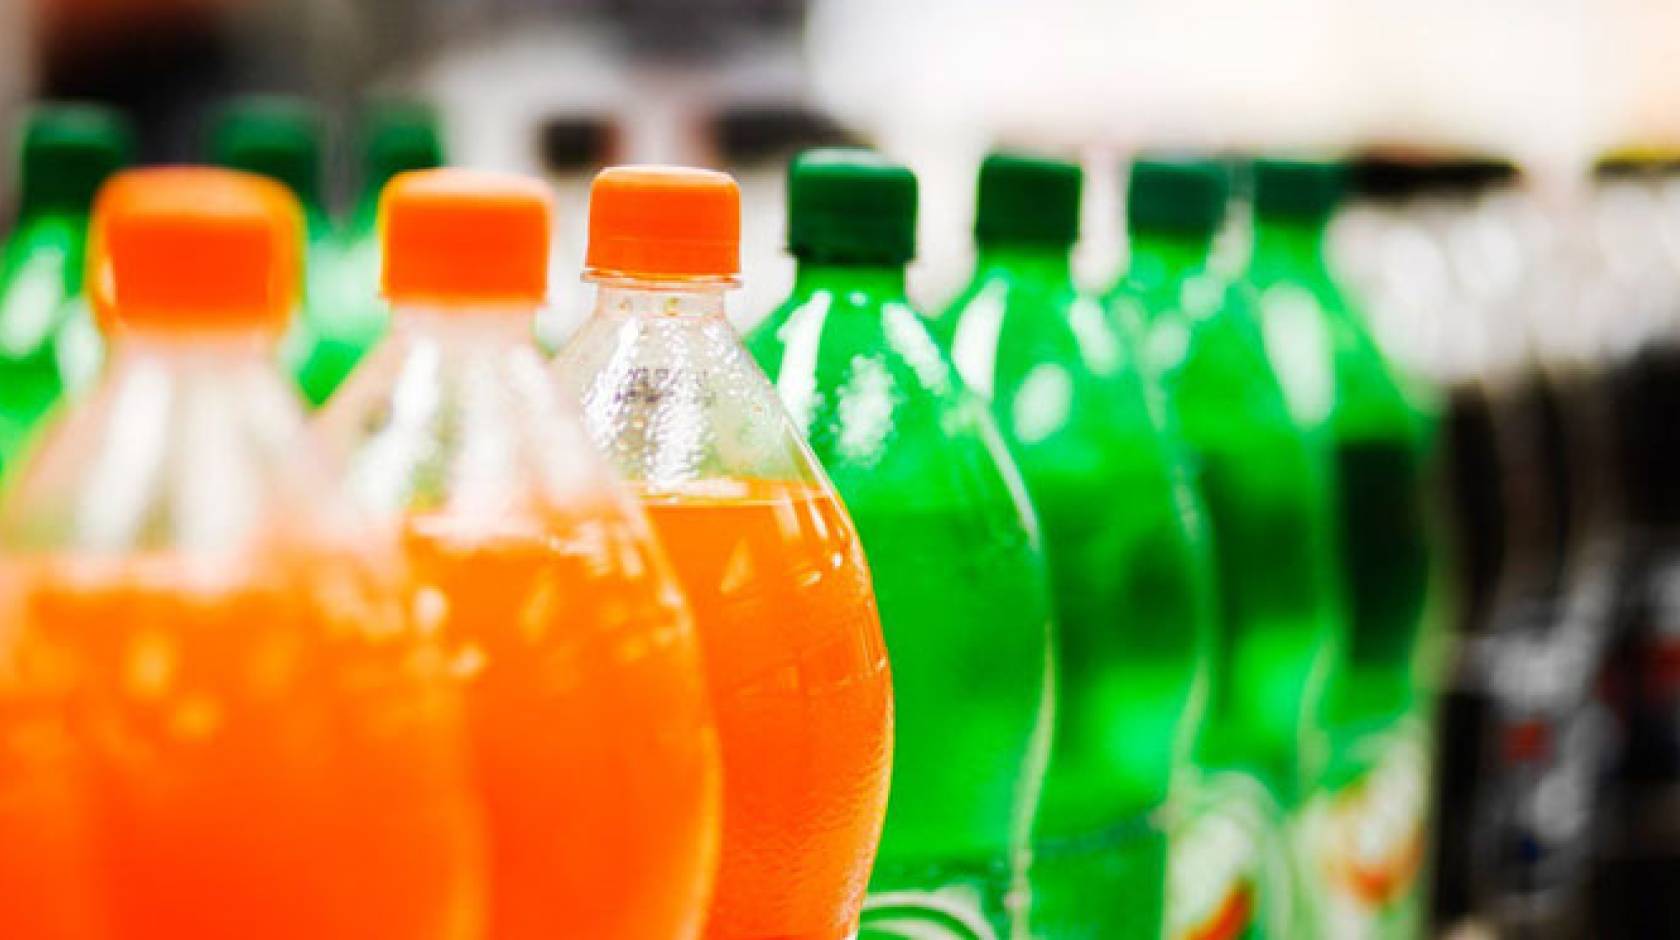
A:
217,719
766,553
593,744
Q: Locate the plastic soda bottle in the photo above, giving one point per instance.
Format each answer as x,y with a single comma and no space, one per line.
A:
1368,836
68,151
280,138
217,720
1265,486
763,547
1125,542
1349,392
397,137
592,739
351,316
951,540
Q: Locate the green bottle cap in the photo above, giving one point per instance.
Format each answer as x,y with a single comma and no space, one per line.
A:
1028,200
1297,190
280,138
68,151
399,136
1185,195
851,206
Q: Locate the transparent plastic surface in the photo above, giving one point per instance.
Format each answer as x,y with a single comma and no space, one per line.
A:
217,719
1130,569
593,744
781,595
960,578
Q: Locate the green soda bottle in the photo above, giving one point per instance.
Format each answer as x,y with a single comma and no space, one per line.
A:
1125,543
45,324
1265,487
1368,829
952,546
396,137
282,138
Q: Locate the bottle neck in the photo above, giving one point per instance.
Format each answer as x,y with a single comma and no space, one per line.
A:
688,300
1051,263
1296,243
1160,254
880,279
194,348
457,325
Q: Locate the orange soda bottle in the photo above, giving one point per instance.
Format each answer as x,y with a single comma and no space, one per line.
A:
214,719
769,559
592,737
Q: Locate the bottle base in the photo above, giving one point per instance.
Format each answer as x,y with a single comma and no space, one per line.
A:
943,900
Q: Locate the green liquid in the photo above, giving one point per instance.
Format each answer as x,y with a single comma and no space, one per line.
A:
1129,577
1378,437
1271,519
1126,580
1272,527
961,586
342,319
1274,650
1125,584
1101,885
1386,557
968,696
40,283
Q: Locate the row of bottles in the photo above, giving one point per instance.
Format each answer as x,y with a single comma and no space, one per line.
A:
49,343
1046,613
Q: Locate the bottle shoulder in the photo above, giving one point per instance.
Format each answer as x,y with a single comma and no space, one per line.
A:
460,425
835,340
671,401
1055,366
205,458
886,412
1315,312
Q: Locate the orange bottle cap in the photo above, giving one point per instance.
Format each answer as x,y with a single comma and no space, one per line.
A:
455,236
664,222
195,248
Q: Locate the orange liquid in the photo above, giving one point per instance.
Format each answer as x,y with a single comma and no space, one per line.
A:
276,758
593,744
798,675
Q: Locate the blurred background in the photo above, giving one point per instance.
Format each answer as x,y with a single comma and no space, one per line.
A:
562,86
1513,232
